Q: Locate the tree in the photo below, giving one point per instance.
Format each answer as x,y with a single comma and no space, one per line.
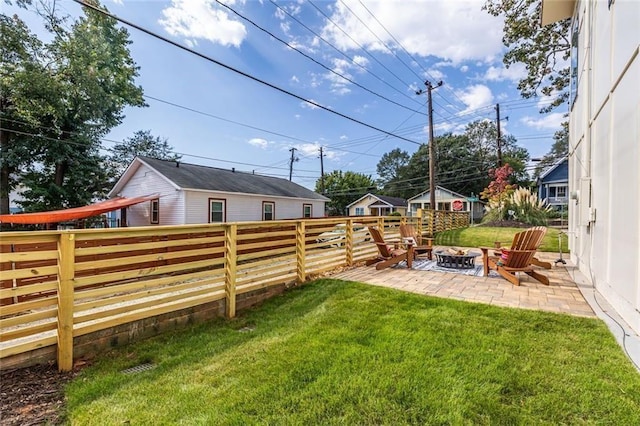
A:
462,162
90,76
559,149
141,143
23,93
390,169
345,188
544,50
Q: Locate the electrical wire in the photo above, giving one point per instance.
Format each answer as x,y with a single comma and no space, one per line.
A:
236,70
313,59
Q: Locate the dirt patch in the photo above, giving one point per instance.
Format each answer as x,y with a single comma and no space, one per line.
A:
34,395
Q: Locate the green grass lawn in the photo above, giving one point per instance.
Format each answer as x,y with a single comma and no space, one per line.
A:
333,352
483,236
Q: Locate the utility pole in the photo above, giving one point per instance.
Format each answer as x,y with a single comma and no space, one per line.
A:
499,135
293,159
432,151
321,172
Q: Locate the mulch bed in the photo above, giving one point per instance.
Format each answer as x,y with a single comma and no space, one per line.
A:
33,395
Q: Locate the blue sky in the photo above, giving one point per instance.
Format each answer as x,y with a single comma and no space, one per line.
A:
387,49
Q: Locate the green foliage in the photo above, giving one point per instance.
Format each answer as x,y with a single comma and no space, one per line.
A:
84,78
543,50
141,143
343,189
335,352
521,205
395,214
462,163
559,149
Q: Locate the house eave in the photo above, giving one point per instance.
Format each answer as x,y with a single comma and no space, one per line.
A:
556,10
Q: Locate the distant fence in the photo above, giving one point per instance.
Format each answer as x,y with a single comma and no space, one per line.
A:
434,221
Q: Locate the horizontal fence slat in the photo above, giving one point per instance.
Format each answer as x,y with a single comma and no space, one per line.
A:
212,284
90,327
28,330
18,347
149,272
132,260
26,318
36,271
264,284
28,289
20,307
119,248
28,256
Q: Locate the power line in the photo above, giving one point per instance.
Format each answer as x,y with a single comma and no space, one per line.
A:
357,44
313,59
353,61
237,71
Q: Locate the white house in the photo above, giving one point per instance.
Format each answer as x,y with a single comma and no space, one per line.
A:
191,194
377,205
447,200
604,148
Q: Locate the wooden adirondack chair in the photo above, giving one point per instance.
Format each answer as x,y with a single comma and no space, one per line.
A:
516,259
423,245
535,260
388,255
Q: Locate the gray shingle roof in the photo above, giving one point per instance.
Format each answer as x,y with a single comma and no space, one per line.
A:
192,176
394,201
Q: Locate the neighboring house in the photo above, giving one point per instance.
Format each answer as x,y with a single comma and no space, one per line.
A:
377,205
553,185
449,201
190,194
604,130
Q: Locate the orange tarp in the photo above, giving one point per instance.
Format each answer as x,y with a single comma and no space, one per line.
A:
57,216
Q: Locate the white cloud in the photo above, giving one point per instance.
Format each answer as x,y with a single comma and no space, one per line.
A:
295,79
453,30
548,122
202,20
514,73
259,142
464,68
475,96
309,105
435,74
344,137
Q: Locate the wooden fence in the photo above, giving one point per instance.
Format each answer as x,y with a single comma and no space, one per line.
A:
57,286
434,221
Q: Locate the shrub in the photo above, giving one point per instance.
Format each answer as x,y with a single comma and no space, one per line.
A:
521,205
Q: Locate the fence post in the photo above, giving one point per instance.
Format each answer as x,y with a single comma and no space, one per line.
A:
230,258
301,251
66,275
349,242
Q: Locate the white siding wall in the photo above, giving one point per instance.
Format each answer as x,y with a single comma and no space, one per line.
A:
145,182
241,207
604,155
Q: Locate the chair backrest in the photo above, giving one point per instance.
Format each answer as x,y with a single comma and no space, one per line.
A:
524,247
408,231
383,248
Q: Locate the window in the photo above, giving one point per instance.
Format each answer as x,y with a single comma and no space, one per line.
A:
268,210
154,211
359,211
307,210
446,206
575,34
217,210
561,192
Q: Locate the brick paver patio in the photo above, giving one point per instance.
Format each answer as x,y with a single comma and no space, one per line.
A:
562,295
